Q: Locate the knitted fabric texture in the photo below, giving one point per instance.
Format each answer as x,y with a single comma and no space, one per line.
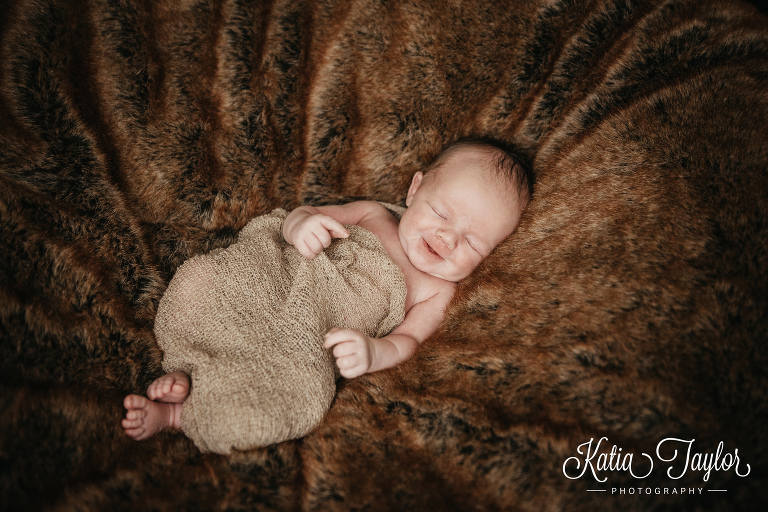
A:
247,324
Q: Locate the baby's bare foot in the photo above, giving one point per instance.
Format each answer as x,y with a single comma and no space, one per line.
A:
145,417
172,387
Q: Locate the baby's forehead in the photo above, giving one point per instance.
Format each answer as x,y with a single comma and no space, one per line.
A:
468,150
479,160
480,170
476,189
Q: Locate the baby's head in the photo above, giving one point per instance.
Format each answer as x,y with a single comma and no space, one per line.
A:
468,200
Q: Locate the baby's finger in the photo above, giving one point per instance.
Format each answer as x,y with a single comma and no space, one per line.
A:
305,250
314,243
336,335
331,340
349,367
334,227
345,348
323,236
346,362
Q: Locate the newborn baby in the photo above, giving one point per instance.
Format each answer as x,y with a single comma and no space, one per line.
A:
466,202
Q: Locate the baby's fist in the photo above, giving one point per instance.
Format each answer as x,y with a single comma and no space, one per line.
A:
352,349
312,233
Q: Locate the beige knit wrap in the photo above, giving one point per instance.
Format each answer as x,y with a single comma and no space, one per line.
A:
247,324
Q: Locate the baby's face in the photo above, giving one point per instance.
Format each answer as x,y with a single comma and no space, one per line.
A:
456,215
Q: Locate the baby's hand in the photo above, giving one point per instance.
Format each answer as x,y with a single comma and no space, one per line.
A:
353,351
311,233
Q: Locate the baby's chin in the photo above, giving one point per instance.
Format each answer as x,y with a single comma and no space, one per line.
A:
454,275
445,276
423,267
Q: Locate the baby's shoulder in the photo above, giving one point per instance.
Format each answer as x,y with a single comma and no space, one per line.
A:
375,215
355,212
374,208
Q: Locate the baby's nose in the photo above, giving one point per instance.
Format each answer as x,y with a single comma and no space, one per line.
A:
447,237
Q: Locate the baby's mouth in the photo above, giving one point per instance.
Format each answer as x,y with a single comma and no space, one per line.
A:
429,250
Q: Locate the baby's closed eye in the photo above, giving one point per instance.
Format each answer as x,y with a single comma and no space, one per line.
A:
477,246
438,213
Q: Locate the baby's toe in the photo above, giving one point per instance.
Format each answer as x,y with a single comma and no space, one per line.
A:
132,402
131,424
136,415
153,391
135,433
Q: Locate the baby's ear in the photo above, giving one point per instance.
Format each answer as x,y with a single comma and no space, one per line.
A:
415,183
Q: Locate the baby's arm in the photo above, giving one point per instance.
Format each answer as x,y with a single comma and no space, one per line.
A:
357,354
310,229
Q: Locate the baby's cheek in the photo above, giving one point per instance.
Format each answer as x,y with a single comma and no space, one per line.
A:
468,262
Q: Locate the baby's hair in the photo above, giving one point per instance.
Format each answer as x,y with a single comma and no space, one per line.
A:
504,159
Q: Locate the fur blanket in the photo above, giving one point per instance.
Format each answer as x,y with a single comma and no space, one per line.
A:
630,304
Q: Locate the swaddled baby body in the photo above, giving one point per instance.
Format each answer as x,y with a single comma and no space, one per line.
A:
246,324
256,344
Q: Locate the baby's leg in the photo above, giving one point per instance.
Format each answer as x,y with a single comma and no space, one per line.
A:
172,387
145,417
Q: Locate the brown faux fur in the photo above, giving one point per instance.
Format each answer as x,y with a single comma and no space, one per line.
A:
631,302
